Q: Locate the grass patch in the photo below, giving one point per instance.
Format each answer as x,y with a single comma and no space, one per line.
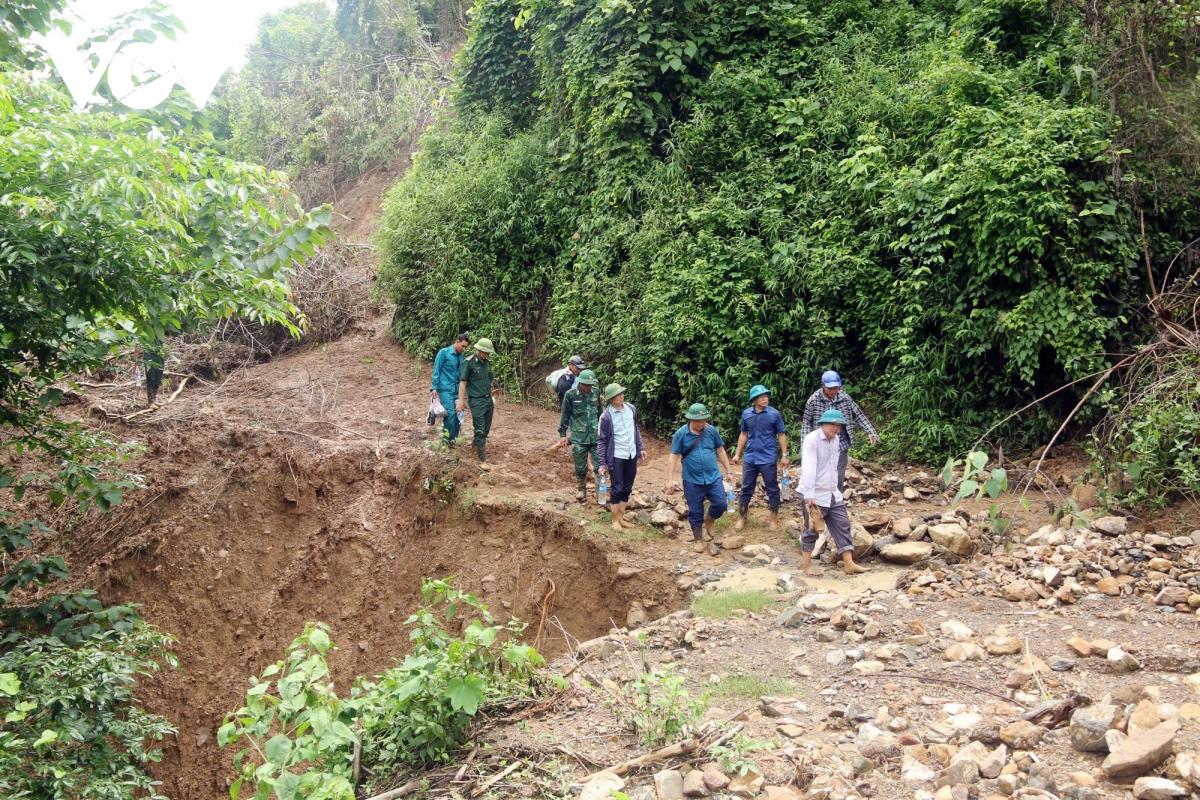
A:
752,686
722,604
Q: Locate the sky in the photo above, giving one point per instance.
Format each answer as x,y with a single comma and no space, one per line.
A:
218,32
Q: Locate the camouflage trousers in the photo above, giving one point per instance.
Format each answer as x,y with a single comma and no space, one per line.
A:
580,453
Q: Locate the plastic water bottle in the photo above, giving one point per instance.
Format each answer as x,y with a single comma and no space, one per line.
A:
602,489
785,487
729,491
137,377
462,417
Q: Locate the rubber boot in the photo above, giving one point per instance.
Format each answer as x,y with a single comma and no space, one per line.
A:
743,510
697,534
708,525
581,488
481,452
774,524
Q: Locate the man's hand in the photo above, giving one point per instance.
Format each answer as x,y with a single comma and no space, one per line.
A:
786,461
433,392
563,441
642,455
670,487
811,503
460,406
737,457
603,470
874,439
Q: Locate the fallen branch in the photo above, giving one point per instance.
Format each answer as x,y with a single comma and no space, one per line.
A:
483,787
734,731
662,754
403,791
964,684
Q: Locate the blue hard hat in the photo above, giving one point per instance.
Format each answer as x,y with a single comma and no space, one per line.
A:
831,379
832,415
758,389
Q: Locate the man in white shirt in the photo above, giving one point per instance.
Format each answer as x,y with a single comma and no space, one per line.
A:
819,487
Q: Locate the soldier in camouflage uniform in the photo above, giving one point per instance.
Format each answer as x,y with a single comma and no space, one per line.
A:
581,416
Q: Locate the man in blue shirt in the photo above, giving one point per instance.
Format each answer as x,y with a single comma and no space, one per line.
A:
699,448
763,438
444,385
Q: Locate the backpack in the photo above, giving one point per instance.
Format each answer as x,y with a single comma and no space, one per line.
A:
552,379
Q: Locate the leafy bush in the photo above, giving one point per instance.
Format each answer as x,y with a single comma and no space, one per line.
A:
301,735
72,726
658,707
708,195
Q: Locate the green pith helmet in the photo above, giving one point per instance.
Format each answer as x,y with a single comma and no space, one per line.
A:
612,390
697,411
485,346
832,415
757,390
588,378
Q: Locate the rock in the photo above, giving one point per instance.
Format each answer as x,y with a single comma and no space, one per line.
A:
1114,739
1041,778
1142,753
901,528
987,731
693,784
1171,595
1193,682
715,779
746,784
1088,726
835,658
1189,711
909,552
862,765
959,772
601,786
781,793
662,517
991,764
1112,526
1021,735
1158,789
952,537
1120,661
790,618
733,542
1002,645
1108,586
956,630
1018,677
668,784
913,771
1144,718
1085,496
822,602
911,493
863,542
1020,590
869,667
636,616
1080,646
1188,764
965,651
752,550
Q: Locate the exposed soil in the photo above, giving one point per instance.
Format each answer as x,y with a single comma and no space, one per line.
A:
310,488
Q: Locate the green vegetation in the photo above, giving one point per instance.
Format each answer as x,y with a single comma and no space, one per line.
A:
751,686
932,197
658,707
298,736
721,605
325,96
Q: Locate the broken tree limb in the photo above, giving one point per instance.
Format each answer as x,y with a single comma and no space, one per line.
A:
483,787
405,790
954,683
662,754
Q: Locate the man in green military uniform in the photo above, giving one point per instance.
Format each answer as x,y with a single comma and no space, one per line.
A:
581,415
475,392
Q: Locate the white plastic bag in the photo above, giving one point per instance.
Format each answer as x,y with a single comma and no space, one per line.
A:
436,412
552,378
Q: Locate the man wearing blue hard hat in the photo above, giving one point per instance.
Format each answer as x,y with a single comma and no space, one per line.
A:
819,485
832,396
763,439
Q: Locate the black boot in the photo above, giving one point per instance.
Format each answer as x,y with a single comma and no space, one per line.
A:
698,534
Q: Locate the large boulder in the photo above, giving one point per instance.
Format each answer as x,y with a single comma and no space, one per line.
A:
906,552
1088,726
863,542
952,537
1142,753
1113,526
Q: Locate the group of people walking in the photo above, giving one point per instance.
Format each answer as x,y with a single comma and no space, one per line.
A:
602,428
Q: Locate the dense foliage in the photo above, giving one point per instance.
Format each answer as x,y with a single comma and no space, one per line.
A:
300,737
705,195
324,96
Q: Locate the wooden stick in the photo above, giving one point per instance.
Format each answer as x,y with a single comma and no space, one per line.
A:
175,394
734,731
463,769
483,787
403,791
662,754
954,683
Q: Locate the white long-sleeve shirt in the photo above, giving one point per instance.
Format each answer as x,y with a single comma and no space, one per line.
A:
819,468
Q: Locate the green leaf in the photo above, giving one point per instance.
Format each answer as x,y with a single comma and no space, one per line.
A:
465,694
979,459
277,750
9,683
948,471
967,487
992,487
47,737
319,640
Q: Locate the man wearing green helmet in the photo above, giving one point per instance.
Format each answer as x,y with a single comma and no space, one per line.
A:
698,448
819,486
763,439
580,417
475,390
